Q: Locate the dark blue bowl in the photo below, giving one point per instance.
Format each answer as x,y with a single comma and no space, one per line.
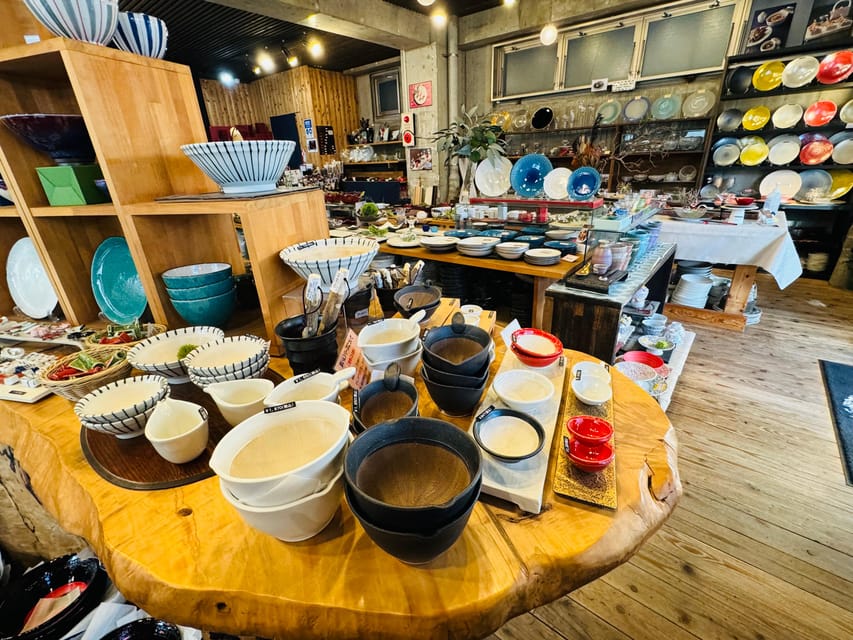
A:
534,241
584,184
564,246
504,235
63,137
528,175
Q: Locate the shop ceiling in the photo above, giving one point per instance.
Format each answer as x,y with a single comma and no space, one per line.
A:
210,37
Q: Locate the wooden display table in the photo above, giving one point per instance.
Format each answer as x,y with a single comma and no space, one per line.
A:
543,277
185,555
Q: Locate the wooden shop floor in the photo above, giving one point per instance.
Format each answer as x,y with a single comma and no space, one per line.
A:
761,544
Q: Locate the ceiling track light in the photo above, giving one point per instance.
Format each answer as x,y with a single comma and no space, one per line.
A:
548,35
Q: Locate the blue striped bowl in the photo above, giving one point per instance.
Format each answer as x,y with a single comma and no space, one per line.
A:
142,34
248,166
87,20
325,257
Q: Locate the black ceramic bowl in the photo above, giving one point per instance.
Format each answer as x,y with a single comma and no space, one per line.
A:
307,354
386,298
62,136
457,348
535,434
415,548
455,380
409,300
145,629
52,579
413,475
363,397
452,400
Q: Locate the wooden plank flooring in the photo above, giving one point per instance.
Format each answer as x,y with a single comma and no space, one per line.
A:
761,544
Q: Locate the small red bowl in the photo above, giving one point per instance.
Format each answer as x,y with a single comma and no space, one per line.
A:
655,362
534,361
590,458
536,343
745,201
590,430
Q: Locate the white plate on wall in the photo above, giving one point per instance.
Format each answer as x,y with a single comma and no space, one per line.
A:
787,116
492,176
28,283
799,72
788,182
557,183
698,104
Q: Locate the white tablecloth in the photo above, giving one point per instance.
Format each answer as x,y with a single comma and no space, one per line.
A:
750,243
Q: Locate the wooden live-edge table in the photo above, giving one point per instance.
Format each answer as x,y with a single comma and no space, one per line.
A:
185,555
543,277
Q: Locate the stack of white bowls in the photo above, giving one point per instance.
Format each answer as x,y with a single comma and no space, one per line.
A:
122,408
276,486
159,354
542,257
393,340
477,246
511,250
692,290
236,358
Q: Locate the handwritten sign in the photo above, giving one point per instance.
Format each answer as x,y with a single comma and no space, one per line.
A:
350,356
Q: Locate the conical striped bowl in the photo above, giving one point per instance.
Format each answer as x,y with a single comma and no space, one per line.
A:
142,34
248,166
87,20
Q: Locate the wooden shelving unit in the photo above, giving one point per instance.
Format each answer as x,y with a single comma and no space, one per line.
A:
138,112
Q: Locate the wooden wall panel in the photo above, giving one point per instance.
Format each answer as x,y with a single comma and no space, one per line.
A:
327,97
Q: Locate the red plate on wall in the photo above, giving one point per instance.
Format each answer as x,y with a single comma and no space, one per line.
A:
836,67
820,113
816,152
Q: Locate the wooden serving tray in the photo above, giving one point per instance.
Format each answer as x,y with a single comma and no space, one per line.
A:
134,464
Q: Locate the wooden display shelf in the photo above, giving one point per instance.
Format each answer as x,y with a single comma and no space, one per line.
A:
372,162
106,209
753,94
9,212
541,202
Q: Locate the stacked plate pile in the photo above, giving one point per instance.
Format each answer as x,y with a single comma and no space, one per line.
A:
817,262
511,250
692,290
542,257
693,267
453,281
232,358
477,246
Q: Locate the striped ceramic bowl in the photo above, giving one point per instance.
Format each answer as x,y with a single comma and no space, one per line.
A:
325,257
126,428
142,34
248,166
87,20
159,354
122,399
240,355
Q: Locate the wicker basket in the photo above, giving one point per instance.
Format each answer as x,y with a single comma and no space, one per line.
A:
75,389
92,341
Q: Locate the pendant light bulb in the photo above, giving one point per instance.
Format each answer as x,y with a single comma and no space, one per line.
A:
438,18
425,3
548,35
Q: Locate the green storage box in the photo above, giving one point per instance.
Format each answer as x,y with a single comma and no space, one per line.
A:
72,184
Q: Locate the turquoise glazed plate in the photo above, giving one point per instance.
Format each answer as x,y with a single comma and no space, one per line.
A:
528,175
666,107
115,282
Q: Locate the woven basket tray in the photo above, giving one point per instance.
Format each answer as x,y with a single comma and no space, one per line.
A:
75,389
91,341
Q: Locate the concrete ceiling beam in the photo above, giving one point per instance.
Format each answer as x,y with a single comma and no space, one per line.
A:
369,20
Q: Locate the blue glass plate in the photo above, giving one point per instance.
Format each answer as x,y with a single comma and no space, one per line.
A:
115,282
584,184
528,175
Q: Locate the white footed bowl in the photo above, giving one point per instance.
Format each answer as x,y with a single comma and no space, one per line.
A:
239,400
178,430
390,338
246,166
122,399
523,390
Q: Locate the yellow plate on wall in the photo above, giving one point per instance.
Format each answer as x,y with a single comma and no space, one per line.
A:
842,182
754,154
756,118
768,76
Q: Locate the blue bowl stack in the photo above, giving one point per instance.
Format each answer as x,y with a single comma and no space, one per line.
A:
202,294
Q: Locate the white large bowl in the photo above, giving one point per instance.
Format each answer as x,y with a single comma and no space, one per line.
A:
227,355
305,421
122,399
325,257
390,338
247,166
159,354
294,521
92,21
142,34
178,430
523,390
409,363
310,386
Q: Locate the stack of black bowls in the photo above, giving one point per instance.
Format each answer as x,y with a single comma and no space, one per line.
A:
411,299
412,483
455,369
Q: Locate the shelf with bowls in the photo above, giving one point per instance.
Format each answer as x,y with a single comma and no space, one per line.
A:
105,209
373,162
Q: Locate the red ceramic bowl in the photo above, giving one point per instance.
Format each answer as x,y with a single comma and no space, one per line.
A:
816,152
590,458
536,343
743,200
655,362
836,67
820,113
590,430
534,361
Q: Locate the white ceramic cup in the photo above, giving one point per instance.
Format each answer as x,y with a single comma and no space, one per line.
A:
178,430
238,400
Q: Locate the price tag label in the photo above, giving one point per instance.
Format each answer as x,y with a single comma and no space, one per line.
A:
350,356
280,407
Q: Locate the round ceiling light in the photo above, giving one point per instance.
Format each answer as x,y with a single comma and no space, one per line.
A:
548,35
425,3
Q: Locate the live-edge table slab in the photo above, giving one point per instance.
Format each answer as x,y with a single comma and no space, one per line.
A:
185,555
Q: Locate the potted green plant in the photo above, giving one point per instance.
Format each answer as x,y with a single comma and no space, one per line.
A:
368,214
467,142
